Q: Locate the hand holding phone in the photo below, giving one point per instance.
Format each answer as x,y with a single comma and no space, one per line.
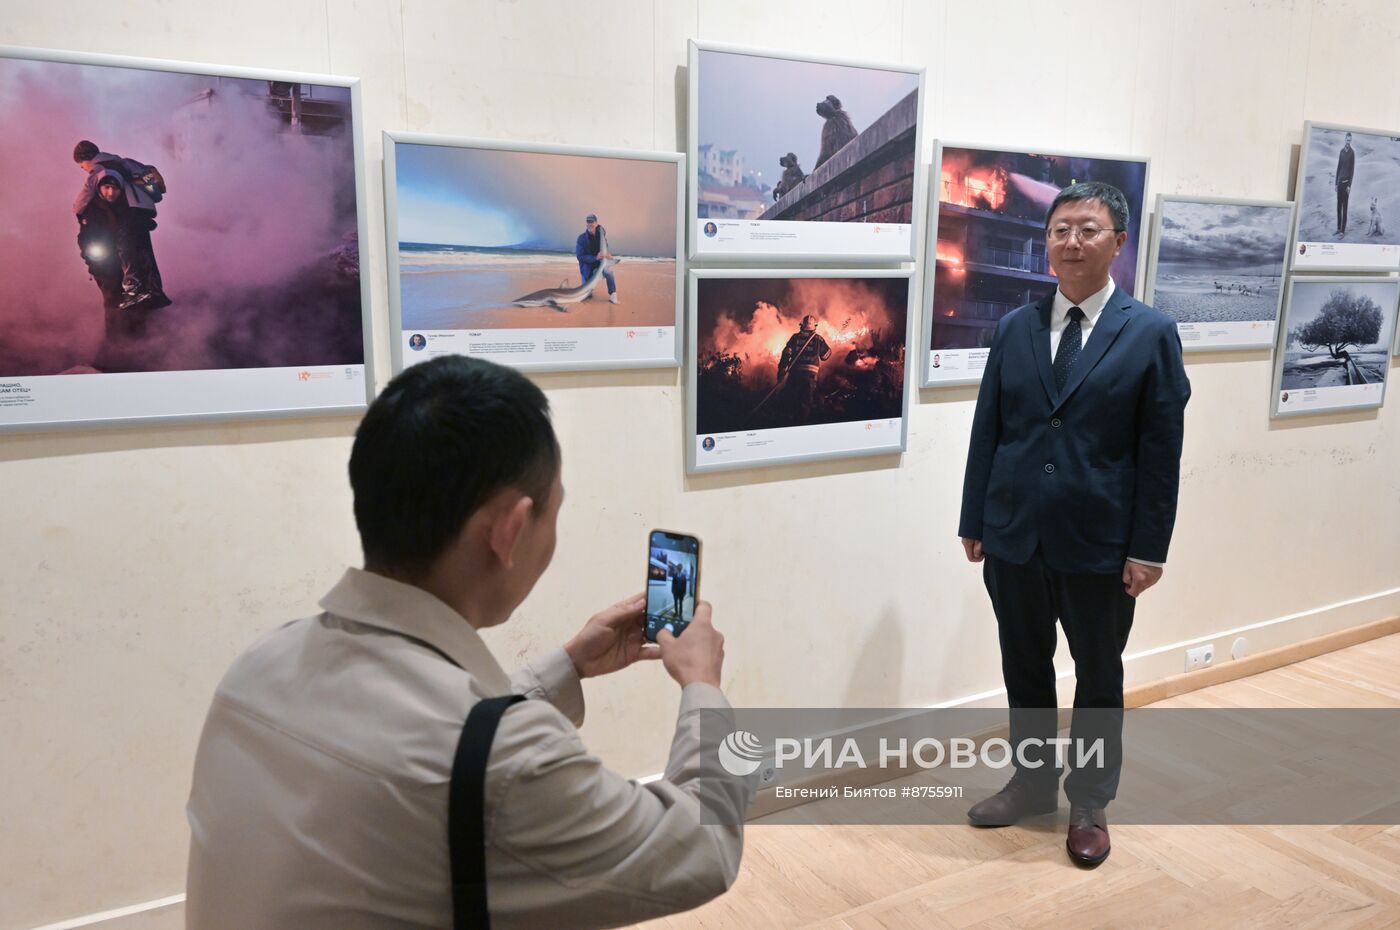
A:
697,656
611,640
673,582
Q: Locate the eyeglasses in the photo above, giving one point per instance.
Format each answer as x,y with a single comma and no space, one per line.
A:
1086,234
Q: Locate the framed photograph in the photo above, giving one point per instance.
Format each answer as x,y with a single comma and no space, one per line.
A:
986,245
1334,344
792,366
1217,267
802,159
178,241
1348,194
542,257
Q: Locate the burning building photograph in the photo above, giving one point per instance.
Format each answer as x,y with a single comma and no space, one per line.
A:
776,352
990,255
160,220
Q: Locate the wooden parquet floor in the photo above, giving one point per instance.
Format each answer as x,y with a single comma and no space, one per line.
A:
1168,877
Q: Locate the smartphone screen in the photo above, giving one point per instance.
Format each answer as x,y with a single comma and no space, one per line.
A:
673,582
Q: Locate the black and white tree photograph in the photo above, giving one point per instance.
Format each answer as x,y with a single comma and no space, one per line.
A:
1337,334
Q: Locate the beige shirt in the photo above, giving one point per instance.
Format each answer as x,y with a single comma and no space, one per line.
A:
321,782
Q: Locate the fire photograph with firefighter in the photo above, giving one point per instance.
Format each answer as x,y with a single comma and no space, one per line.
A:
177,244
799,366
987,247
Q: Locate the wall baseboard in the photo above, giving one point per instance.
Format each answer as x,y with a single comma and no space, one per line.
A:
1323,629
118,913
1174,685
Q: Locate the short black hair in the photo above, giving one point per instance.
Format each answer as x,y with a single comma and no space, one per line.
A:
84,151
440,441
1106,194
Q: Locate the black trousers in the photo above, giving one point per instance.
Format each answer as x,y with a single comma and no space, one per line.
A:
1343,200
140,274
802,394
1097,614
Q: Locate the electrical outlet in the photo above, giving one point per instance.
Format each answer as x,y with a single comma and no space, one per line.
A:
1200,657
768,775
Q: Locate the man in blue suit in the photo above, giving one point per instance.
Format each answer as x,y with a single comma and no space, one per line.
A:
1069,501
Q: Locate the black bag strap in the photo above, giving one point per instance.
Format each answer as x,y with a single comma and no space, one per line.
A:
466,815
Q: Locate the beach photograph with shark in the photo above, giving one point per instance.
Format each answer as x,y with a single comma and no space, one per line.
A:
534,255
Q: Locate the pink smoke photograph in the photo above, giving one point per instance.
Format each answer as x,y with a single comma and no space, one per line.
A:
159,221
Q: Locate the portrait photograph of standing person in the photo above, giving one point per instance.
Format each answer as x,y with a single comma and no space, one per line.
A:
1348,195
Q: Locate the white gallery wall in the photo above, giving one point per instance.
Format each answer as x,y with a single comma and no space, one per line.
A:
135,563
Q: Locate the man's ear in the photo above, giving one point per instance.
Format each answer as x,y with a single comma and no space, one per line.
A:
508,527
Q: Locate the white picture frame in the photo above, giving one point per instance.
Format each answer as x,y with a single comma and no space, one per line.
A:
1248,311
1303,380
625,341
178,366
796,238
771,440
1355,252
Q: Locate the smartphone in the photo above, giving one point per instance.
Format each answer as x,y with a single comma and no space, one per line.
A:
673,582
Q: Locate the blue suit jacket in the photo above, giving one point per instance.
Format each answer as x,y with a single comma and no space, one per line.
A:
1088,473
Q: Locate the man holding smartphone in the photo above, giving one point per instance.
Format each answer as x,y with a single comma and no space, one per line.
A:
325,790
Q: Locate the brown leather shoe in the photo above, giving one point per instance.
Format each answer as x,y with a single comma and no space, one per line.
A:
1018,799
1088,835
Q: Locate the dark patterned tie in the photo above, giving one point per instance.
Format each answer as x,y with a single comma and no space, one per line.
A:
1068,352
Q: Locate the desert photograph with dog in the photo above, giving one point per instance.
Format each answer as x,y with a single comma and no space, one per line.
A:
1348,193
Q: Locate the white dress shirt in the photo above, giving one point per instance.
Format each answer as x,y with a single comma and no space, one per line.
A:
321,783
1059,315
